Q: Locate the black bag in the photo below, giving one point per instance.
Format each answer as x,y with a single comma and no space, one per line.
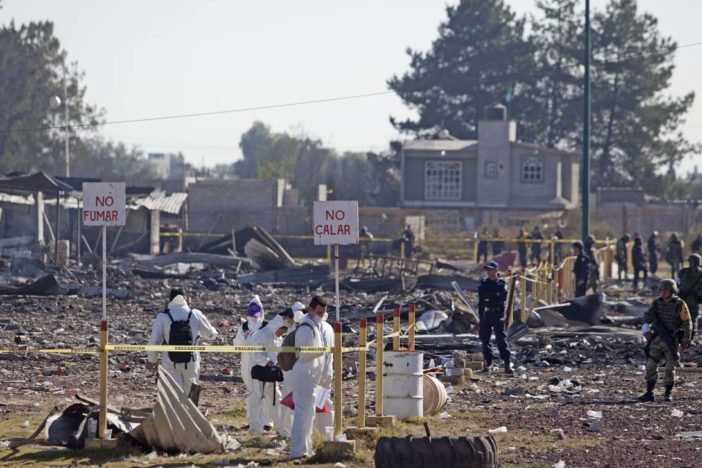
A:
267,374
180,335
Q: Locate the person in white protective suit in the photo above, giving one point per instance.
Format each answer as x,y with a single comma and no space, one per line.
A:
254,321
292,316
263,403
308,376
185,374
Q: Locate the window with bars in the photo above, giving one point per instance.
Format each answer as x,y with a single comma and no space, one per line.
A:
491,169
442,180
532,169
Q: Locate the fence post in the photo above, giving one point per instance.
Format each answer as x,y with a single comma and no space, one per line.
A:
396,329
410,344
379,364
362,343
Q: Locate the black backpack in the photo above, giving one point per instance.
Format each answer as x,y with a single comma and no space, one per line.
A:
180,335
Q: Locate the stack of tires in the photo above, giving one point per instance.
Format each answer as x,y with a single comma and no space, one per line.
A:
437,452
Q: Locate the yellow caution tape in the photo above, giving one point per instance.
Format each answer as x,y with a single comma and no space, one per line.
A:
222,349
167,348
52,351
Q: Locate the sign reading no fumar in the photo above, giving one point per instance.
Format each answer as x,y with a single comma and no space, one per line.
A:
104,204
335,222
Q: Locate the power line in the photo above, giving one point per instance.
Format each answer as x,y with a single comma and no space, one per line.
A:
504,78
204,114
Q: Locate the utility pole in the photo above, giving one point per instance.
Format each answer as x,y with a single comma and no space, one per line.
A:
585,171
65,123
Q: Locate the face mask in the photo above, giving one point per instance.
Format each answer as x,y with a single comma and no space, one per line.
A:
317,319
325,316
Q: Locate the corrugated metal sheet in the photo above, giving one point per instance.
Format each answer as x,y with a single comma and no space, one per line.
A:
159,200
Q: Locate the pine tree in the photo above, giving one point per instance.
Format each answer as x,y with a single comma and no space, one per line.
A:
477,60
559,53
634,122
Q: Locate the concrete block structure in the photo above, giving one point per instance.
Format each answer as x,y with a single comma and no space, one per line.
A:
492,179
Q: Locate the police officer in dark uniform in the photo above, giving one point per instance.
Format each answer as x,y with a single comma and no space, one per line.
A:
581,269
492,294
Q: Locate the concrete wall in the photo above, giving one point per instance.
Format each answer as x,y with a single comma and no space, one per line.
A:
413,181
222,205
494,137
647,217
527,194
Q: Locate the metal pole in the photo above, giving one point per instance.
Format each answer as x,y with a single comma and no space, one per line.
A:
65,123
585,173
336,279
58,226
102,426
362,363
338,405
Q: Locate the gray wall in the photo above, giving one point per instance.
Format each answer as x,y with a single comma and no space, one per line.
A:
222,205
414,174
494,137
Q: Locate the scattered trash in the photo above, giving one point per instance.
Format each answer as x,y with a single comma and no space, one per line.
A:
558,433
560,464
676,413
595,426
498,430
594,414
689,436
444,415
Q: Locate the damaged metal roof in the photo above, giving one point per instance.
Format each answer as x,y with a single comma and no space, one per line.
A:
161,201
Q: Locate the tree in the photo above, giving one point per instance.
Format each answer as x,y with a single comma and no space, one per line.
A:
268,155
558,51
33,66
97,158
635,123
478,59
480,52
307,163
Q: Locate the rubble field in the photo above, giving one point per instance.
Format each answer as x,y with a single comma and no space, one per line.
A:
569,403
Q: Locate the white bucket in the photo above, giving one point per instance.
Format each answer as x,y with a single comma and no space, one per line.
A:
434,395
402,384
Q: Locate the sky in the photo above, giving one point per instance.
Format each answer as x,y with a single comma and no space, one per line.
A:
171,57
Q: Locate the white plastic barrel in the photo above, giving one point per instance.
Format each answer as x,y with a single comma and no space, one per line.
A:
403,384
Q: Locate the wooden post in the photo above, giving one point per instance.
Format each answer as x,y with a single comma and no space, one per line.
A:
412,315
362,343
379,345
510,301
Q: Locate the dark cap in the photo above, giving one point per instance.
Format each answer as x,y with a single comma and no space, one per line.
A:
287,313
491,266
579,245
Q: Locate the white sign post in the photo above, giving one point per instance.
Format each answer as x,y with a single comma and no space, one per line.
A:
104,204
335,223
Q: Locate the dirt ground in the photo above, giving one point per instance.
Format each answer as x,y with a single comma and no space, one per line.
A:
546,422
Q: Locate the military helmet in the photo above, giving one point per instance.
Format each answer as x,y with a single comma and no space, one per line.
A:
695,257
669,284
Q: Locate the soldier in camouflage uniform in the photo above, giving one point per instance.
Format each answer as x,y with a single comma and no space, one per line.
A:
667,316
691,288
